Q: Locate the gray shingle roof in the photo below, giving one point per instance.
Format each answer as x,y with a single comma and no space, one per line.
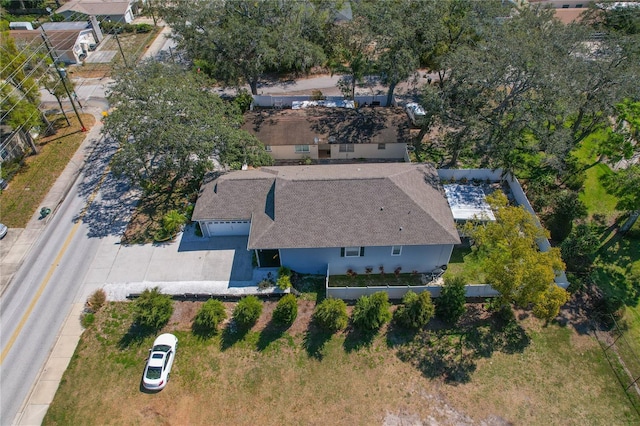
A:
333,205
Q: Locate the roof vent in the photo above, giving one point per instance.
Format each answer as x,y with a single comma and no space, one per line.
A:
400,228
381,208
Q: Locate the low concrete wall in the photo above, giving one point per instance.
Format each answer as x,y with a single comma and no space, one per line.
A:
398,292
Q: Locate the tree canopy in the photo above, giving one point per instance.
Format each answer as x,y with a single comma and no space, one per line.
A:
170,127
514,265
239,41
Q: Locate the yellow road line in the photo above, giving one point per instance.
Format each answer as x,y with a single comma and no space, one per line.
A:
51,270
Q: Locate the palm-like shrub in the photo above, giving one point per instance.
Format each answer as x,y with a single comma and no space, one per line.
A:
287,310
152,309
372,312
247,311
210,316
331,314
416,310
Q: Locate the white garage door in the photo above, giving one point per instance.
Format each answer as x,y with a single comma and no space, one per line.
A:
219,228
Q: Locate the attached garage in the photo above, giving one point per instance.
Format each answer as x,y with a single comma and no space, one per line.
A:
221,228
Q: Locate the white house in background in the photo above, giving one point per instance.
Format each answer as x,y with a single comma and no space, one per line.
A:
71,41
325,133
116,10
334,217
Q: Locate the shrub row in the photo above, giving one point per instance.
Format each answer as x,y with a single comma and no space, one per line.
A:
153,309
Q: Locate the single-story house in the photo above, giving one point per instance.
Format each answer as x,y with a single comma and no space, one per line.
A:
116,10
331,133
71,41
334,217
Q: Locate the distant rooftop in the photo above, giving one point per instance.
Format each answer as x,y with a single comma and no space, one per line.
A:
468,202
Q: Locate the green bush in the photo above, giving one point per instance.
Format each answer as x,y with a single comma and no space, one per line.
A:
450,306
152,309
210,316
284,282
143,28
87,319
284,278
416,310
287,310
331,314
243,100
372,312
247,311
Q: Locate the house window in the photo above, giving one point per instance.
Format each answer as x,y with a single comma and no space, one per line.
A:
267,148
396,250
346,147
382,146
301,148
352,252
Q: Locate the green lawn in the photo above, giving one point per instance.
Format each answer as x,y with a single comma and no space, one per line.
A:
466,263
595,197
518,372
617,264
31,183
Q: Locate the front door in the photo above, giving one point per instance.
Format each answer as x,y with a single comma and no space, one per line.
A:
269,258
324,150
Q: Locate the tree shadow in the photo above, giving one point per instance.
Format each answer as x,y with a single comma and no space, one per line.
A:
451,353
232,334
272,332
357,339
314,341
440,355
398,335
203,333
135,335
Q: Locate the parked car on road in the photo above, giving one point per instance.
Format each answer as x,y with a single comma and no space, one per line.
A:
160,361
415,112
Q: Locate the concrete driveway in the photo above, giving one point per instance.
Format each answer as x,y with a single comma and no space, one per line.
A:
187,263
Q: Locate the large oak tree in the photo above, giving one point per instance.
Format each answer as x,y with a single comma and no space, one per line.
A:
171,127
239,41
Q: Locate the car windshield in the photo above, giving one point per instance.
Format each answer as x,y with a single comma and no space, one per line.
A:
153,373
161,348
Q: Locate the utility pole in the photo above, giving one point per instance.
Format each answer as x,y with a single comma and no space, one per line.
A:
62,78
115,30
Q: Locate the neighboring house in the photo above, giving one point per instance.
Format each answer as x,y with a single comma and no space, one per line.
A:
116,10
566,11
334,217
71,41
331,133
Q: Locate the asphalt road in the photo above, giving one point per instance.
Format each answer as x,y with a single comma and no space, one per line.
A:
33,308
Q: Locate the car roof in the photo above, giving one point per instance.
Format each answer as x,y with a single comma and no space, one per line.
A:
156,359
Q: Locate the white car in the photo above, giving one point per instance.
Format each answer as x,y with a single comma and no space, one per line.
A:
3,230
415,112
160,361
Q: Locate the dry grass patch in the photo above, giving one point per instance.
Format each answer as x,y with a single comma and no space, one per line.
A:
37,175
229,380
